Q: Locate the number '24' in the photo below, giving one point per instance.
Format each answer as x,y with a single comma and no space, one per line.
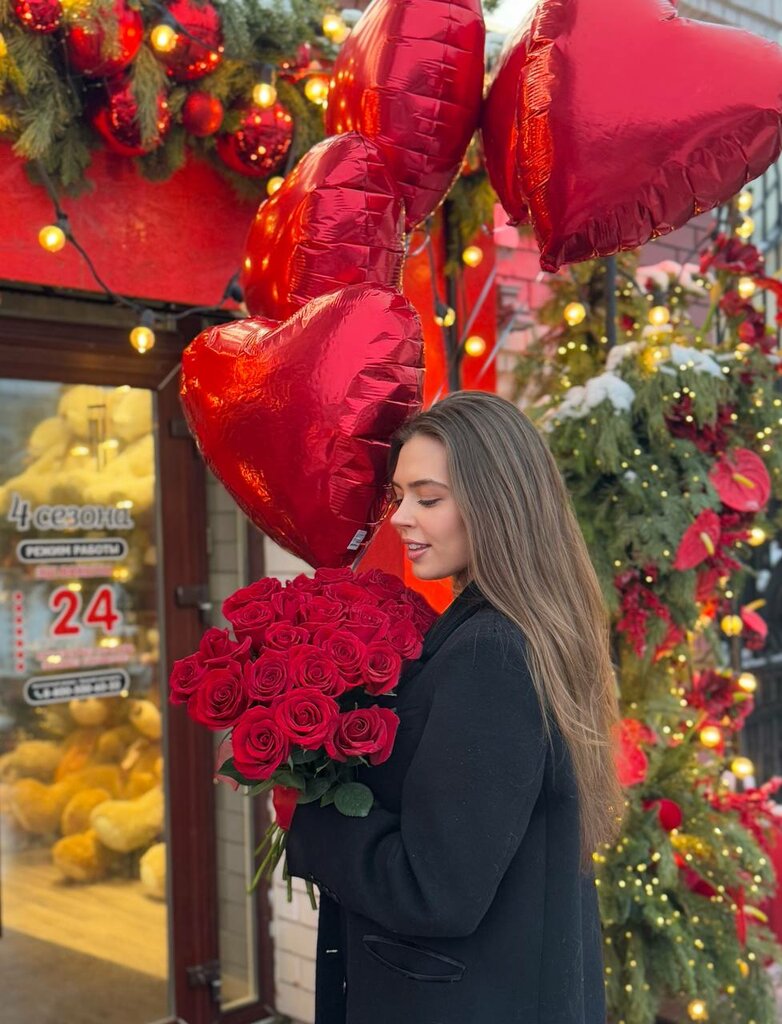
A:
101,612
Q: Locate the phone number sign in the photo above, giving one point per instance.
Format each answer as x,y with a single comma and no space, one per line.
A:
59,689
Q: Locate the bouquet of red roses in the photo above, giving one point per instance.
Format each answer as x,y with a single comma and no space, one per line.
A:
297,686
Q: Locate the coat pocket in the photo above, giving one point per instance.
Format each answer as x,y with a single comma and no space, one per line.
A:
412,960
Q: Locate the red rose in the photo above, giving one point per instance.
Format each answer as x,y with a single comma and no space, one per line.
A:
186,676
305,585
306,716
268,677
290,606
217,647
381,668
321,609
348,593
405,639
423,613
220,699
399,610
252,620
367,622
326,575
366,732
381,584
347,653
282,636
259,745
262,591
310,666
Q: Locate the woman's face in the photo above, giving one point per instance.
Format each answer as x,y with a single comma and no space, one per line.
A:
425,512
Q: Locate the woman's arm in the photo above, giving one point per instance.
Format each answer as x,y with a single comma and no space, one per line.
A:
434,869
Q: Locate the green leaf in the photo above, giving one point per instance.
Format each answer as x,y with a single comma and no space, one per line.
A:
328,798
261,787
354,799
285,778
315,789
229,769
305,756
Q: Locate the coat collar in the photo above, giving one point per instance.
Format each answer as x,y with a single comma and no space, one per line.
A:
469,601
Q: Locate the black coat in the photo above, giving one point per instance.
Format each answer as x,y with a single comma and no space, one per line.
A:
459,900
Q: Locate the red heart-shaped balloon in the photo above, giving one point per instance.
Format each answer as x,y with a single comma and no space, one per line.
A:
295,419
622,122
410,77
336,220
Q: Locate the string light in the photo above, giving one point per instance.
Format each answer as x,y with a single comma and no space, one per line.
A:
697,1010
274,185
52,238
746,287
744,201
747,682
444,316
475,345
3,46
163,38
757,536
659,316
265,91
334,28
731,625
575,313
142,337
316,89
710,736
473,256
745,229
742,767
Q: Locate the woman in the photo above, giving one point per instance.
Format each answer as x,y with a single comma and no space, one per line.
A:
466,896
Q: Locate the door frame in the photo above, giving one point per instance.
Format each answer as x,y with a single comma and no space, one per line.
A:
38,347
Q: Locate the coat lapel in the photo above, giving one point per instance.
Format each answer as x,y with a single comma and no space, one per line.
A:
461,608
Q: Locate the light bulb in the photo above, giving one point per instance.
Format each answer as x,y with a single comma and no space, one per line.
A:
757,536
744,201
731,625
264,95
142,339
697,1010
745,229
742,767
52,237
445,316
274,185
473,256
163,38
316,89
746,287
334,28
748,682
3,46
659,316
475,345
575,313
710,736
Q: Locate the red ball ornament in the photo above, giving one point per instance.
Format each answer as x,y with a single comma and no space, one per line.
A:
117,122
39,15
260,144
669,813
107,42
200,49
202,114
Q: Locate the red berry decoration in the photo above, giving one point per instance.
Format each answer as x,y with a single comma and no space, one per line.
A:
260,144
117,122
198,50
39,15
106,42
202,114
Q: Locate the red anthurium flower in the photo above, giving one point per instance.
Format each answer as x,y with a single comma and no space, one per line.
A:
699,542
754,622
741,480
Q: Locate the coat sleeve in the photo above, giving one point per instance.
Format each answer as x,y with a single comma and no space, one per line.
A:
433,869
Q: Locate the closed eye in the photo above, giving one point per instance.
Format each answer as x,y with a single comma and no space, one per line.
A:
428,502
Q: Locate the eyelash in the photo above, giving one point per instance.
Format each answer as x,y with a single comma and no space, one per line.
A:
426,502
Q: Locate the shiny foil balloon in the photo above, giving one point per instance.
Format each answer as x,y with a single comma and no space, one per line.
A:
626,121
336,220
410,77
295,418
106,42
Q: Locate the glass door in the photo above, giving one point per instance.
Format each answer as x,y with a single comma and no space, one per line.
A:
83,854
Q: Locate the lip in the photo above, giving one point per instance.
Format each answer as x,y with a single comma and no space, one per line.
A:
415,555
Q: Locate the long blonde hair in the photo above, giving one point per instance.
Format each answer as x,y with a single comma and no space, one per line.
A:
529,559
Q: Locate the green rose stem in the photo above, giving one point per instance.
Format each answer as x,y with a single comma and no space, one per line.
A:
274,842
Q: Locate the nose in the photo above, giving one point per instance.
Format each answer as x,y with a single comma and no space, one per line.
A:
402,517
